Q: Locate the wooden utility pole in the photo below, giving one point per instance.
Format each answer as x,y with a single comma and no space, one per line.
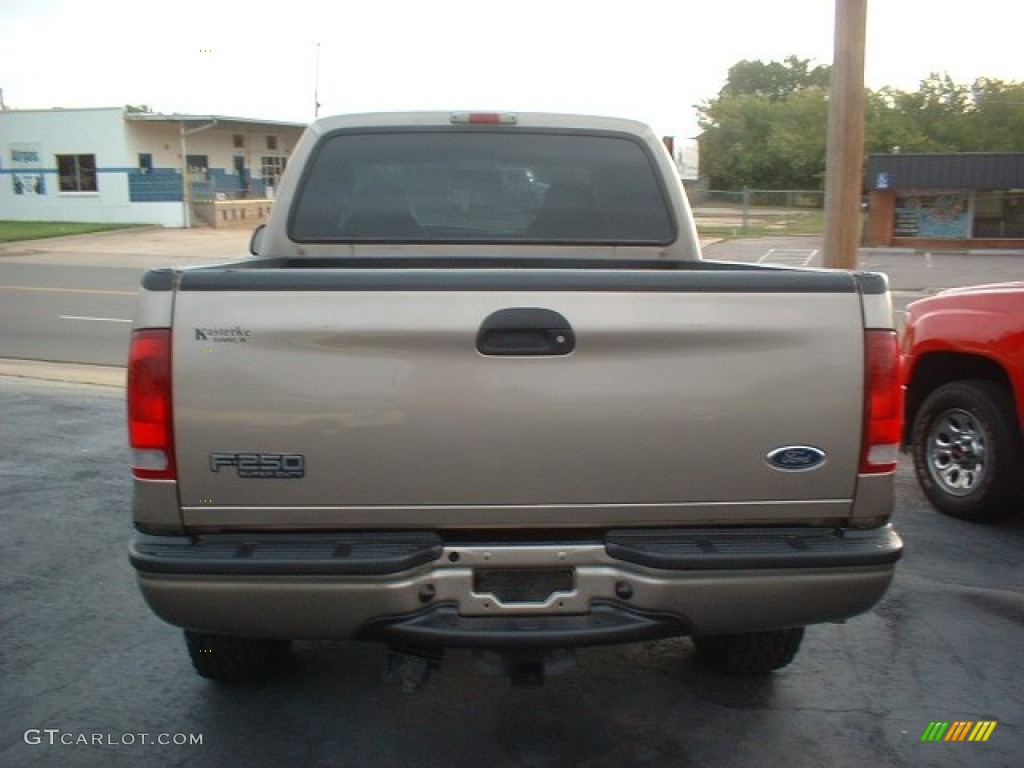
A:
845,154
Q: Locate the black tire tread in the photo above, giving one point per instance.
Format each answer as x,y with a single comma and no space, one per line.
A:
750,653
235,660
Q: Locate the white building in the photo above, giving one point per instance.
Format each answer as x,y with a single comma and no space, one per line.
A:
112,165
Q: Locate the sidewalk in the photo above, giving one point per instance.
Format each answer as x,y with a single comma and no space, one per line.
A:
142,248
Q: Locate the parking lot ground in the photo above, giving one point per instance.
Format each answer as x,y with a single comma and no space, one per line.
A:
82,658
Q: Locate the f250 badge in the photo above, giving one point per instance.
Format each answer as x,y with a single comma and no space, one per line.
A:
796,458
261,466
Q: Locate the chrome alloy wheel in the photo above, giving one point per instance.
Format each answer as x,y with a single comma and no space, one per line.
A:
956,452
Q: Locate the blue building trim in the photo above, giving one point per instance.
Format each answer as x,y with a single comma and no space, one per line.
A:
12,171
54,171
226,182
232,185
162,185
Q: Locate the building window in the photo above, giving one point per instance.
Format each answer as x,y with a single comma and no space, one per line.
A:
271,168
271,142
198,167
238,141
77,173
999,213
145,163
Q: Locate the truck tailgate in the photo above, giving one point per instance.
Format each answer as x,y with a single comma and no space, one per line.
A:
362,397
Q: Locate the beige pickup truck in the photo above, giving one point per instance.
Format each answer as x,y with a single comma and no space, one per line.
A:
477,389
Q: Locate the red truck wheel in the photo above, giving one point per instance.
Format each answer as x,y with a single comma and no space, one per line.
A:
966,453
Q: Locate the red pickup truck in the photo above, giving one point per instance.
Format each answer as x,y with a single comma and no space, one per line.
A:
963,363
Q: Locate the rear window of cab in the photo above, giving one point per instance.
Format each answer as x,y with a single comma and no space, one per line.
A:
486,186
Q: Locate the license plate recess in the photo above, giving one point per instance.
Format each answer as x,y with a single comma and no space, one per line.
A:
522,585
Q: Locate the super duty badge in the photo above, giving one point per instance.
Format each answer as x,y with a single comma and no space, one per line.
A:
255,466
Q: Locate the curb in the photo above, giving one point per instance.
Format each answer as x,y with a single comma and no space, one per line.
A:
71,373
11,245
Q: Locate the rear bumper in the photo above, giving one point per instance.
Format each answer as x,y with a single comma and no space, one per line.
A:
414,589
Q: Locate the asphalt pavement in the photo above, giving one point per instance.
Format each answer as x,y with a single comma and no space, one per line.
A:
72,299
92,678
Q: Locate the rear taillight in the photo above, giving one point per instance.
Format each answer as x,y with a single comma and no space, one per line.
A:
150,428
883,403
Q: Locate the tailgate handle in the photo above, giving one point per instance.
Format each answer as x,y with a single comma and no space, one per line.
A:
525,332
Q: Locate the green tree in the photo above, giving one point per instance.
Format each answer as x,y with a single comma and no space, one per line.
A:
888,127
996,122
943,116
776,80
938,108
767,127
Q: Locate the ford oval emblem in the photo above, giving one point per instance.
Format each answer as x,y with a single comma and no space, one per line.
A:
796,458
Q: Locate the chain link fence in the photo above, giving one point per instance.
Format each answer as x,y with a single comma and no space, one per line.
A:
807,199
793,211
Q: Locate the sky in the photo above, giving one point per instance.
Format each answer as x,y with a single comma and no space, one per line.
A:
651,60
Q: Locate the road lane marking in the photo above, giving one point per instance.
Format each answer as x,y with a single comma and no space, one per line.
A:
67,290
97,319
798,257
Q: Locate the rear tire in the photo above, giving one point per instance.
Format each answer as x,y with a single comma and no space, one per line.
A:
967,454
749,653
235,660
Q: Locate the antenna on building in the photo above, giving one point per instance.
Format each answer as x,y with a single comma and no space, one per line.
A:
316,85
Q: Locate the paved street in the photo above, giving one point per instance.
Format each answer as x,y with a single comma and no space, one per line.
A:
70,299
66,313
